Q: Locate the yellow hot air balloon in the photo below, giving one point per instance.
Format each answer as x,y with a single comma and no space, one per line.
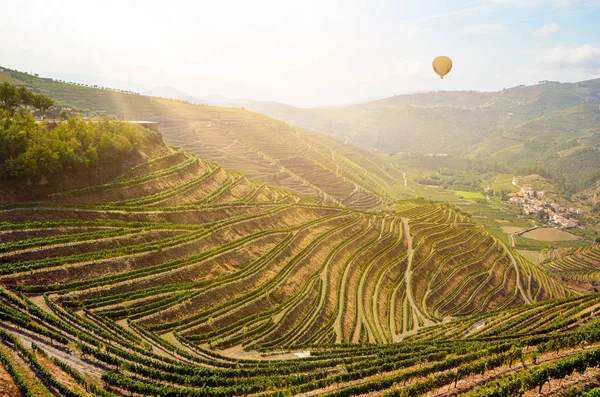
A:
442,65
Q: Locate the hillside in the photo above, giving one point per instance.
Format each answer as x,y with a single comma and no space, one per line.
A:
261,148
178,277
427,122
549,128
400,266
579,267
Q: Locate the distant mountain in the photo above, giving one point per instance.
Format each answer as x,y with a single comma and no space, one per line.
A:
552,127
172,93
447,121
213,100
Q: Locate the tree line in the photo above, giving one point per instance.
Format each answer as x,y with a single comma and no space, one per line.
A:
14,98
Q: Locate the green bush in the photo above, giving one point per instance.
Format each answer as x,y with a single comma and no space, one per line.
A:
34,149
28,148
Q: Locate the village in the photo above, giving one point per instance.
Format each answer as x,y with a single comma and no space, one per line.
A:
535,202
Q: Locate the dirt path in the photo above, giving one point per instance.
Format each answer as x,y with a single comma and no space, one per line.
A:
404,176
511,236
228,146
476,327
518,270
85,366
238,352
515,182
419,317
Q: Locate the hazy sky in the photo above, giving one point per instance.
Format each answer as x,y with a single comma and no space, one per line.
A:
305,53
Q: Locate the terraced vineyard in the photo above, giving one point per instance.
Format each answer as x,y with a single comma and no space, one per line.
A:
55,348
180,278
579,267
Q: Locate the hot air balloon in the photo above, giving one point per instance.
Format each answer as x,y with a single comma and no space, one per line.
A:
442,65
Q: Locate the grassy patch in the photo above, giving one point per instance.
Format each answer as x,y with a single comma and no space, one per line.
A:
524,243
469,195
488,215
550,234
503,182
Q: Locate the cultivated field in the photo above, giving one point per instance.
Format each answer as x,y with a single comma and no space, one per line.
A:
469,195
155,283
550,234
579,267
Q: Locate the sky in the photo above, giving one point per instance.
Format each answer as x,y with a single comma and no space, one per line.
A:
305,53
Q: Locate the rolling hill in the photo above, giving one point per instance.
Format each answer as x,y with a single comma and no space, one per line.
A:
549,128
453,122
258,258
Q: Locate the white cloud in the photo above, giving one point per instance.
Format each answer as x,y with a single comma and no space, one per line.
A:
547,30
585,57
566,3
527,3
520,3
481,29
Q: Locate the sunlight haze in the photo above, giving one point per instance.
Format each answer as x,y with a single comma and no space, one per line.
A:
304,53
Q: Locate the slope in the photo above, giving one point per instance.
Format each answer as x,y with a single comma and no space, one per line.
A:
179,278
263,149
549,129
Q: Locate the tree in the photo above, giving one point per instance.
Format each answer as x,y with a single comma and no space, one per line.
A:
9,99
42,103
35,149
63,115
14,132
24,97
12,97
